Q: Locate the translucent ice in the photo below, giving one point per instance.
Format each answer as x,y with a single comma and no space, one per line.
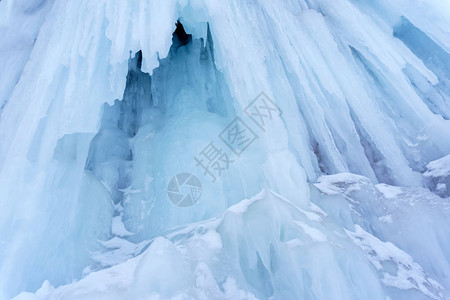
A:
103,102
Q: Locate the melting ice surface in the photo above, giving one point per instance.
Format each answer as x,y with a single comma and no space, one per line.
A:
343,192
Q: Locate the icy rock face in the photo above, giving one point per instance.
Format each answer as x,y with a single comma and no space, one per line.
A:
106,101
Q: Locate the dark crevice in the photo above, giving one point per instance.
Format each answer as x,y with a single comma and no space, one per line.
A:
320,157
139,60
210,43
111,151
180,37
373,154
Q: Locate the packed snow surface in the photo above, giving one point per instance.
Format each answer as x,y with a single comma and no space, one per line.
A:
339,188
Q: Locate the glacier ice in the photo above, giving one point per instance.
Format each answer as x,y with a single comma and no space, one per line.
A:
343,195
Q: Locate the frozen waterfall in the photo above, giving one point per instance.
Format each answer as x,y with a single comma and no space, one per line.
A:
190,149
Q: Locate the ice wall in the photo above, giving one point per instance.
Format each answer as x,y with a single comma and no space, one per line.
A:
363,88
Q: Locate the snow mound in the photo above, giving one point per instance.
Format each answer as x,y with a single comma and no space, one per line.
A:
437,176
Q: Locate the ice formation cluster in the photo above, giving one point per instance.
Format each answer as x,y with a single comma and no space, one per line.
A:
339,190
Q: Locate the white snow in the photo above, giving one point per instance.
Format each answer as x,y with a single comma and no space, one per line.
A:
340,183
241,207
389,191
386,219
313,233
408,274
118,228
